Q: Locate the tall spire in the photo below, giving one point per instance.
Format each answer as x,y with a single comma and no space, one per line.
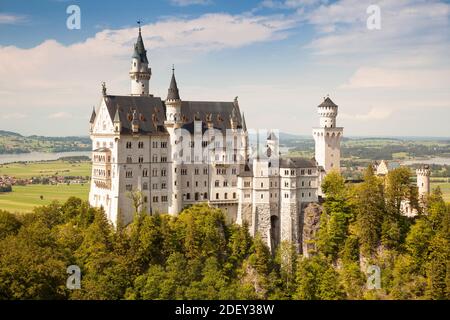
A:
93,115
173,93
139,48
244,125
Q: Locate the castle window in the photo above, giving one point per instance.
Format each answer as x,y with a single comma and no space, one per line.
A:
233,171
145,186
163,172
292,172
310,194
129,187
163,185
128,145
163,144
247,184
303,183
140,145
205,183
163,159
196,171
286,184
303,195
302,171
226,195
217,196
145,173
309,171
234,195
187,184
262,196
217,183
309,183
145,200
155,186
262,185
163,198
188,196
155,199
183,172
141,159
205,170
205,195
129,174
225,183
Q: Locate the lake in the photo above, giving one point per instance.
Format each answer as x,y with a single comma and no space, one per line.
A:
40,156
440,161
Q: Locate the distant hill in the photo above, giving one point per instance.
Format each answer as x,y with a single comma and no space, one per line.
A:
4,133
14,143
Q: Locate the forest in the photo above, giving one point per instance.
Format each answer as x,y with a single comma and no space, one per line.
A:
197,255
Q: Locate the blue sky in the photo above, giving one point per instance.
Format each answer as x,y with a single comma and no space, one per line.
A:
281,57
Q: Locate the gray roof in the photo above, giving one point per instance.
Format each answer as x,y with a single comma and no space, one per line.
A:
139,49
219,113
272,136
297,163
327,103
173,93
247,172
150,111
93,115
244,125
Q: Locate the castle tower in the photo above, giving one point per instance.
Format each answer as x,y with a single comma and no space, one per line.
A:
423,181
173,103
328,136
174,122
140,73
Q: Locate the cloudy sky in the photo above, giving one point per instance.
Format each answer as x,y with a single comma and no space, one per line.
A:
280,57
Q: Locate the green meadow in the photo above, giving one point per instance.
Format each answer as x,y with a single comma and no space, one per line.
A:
46,168
445,188
25,198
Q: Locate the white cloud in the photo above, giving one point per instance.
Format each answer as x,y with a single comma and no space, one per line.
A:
62,78
373,114
184,3
11,18
369,77
60,115
14,116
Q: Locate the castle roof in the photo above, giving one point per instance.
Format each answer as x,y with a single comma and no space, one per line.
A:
139,49
247,172
297,162
93,115
173,93
151,113
327,102
216,112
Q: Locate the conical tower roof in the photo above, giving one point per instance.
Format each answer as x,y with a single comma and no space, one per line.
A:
173,93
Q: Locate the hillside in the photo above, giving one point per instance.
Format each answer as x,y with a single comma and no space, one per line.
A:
12,142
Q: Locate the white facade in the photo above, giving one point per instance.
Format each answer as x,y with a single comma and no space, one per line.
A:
160,156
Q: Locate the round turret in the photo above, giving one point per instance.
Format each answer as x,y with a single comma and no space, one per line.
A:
423,180
327,111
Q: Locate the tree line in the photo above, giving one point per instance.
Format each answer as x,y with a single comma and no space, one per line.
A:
197,255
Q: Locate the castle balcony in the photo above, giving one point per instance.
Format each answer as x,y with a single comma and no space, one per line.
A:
101,168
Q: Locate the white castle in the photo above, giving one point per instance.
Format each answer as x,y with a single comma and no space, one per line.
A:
160,156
